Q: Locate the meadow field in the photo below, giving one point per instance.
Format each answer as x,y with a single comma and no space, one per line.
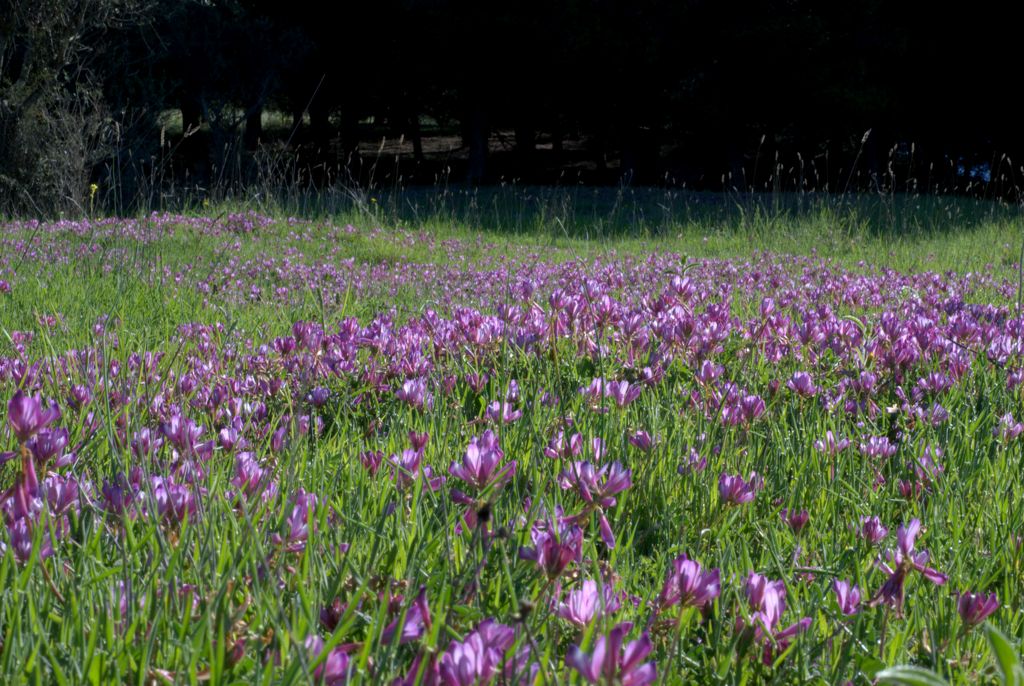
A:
485,440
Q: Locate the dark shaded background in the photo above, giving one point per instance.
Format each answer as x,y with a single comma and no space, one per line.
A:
221,95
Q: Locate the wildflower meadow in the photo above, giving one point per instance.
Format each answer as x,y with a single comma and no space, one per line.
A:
252,449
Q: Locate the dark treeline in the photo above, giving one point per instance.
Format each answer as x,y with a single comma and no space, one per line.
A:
149,97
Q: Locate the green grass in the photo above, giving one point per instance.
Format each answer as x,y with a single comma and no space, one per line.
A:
62,620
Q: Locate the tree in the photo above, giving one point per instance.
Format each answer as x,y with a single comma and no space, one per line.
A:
54,123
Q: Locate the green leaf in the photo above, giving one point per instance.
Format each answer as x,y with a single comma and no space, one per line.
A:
870,666
1006,656
907,675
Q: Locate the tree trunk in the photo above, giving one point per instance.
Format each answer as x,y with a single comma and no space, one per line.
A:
350,158
193,150
557,138
416,134
526,143
253,129
319,124
475,135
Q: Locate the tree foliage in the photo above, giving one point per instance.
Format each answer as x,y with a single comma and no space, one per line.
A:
694,92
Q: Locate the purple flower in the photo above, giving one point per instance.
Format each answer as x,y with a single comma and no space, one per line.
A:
751,407
622,392
21,534
642,440
767,599
61,493
27,417
299,523
795,520
406,469
229,437
928,468
277,440
417,622
174,502
145,442
847,597
830,445
688,585
594,392
331,615
877,446
414,392
904,560
183,433
709,372
477,659
693,464
974,608
587,602
611,663
332,670
802,384
597,487
371,460
501,412
872,530
554,547
652,376
558,447
733,490
250,479
1008,429
479,466
48,444
418,441
318,396
119,496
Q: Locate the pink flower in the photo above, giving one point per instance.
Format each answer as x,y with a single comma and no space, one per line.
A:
479,466
414,393
501,412
1008,428
689,585
642,440
588,602
802,384
416,623
847,597
733,490
554,547
611,663
27,417
477,659
904,560
622,392
975,608
796,520
332,670
558,447
597,487
406,469
871,529
830,445
768,601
